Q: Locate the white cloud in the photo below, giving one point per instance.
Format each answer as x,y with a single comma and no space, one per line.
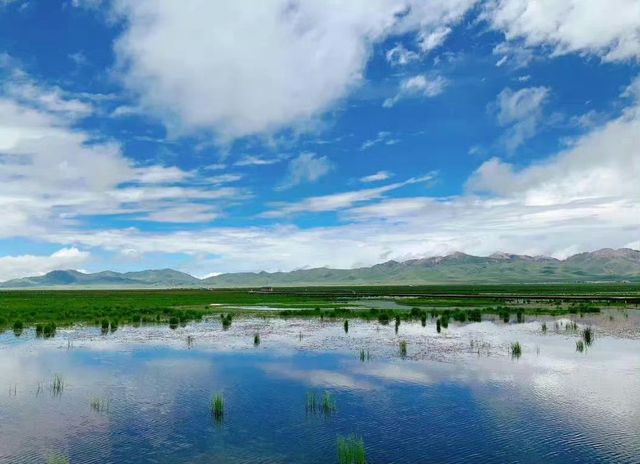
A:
582,198
337,201
401,56
378,176
429,40
52,174
12,267
417,86
609,29
521,112
249,68
251,160
383,137
307,167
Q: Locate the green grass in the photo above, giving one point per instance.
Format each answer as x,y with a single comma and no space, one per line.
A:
324,404
516,350
47,310
403,348
311,402
350,450
217,406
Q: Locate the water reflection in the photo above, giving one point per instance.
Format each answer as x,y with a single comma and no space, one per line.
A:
457,395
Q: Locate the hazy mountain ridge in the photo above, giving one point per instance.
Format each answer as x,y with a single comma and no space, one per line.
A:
601,265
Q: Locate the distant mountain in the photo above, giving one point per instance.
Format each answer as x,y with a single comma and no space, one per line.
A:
606,265
163,278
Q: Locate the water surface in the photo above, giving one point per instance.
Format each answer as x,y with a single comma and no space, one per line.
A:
457,396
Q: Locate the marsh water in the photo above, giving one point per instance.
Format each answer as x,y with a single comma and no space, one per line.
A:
142,394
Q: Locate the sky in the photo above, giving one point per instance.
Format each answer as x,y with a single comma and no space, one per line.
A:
213,136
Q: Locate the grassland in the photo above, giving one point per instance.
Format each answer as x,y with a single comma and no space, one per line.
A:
108,309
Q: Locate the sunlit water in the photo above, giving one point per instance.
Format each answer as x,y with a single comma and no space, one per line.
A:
457,396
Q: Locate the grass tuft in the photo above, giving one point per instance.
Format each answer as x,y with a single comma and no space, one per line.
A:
516,350
587,336
403,348
350,450
217,406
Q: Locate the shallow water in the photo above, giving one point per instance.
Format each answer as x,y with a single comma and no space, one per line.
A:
457,396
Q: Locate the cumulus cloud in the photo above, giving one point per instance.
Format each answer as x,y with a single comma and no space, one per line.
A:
12,267
609,29
417,86
521,112
49,167
289,61
307,167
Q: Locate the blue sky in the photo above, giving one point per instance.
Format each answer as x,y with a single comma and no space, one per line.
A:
215,137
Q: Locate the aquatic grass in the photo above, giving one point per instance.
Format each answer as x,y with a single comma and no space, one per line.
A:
256,339
311,402
403,348
328,404
57,385
350,450
325,404
174,322
587,336
226,321
544,327
99,405
217,406
579,346
18,327
364,355
346,326
438,325
190,341
516,350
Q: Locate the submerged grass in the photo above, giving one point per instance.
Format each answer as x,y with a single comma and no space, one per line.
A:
324,404
350,450
57,385
403,348
100,405
516,350
217,406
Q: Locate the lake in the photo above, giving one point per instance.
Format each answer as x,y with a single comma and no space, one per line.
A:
143,394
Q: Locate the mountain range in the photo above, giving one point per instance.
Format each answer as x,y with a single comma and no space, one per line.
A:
606,265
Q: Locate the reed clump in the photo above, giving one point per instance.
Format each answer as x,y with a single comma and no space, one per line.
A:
516,350
587,336
350,450
217,406
403,348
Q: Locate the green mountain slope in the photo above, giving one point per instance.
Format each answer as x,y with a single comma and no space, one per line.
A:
605,265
